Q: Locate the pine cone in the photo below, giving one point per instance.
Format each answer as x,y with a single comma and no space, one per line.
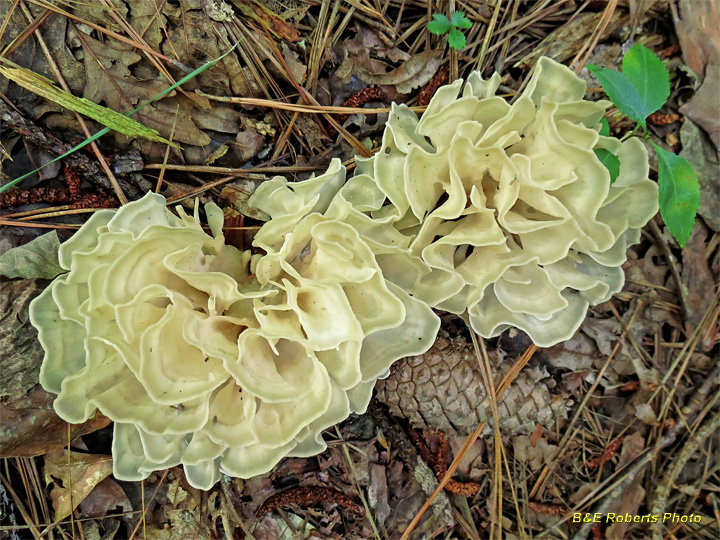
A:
443,390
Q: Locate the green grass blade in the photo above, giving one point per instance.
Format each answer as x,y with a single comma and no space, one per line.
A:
103,131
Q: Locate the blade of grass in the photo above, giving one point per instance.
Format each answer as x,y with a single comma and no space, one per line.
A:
103,131
37,84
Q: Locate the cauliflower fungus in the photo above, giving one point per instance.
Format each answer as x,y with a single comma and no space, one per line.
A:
503,211
223,361
199,362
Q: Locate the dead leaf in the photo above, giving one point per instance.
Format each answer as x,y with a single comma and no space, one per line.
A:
645,414
536,435
107,497
378,493
535,456
696,276
258,12
698,30
236,196
74,476
249,143
703,106
194,39
297,68
632,496
699,151
564,42
30,426
22,352
418,70
111,82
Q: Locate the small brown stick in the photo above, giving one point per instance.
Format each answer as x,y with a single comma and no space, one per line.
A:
305,496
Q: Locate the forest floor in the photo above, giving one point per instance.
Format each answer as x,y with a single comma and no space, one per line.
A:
308,81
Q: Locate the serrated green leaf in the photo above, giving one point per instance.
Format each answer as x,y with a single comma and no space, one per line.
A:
604,127
649,75
36,259
610,161
679,195
439,25
622,93
459,20
456,39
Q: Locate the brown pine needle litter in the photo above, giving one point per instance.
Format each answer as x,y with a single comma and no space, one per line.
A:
627,416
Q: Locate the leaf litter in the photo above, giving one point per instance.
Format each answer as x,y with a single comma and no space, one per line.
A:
629,377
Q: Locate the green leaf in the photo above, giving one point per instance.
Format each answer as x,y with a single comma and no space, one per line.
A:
456,39
604,127
36,259
679,194
439,25
649,75
622,93
610,161
459,20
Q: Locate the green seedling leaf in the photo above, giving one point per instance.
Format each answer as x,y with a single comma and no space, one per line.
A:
459,20
649,75
604,127
439,25
679,195
36,259
610,161
456,39
103,131
41,86
622,93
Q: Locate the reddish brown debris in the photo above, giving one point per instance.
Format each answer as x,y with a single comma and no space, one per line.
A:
630,387
438,463
597,532
426,92
72,194
357,100
607,455
18,197
662,119
305,496
547,509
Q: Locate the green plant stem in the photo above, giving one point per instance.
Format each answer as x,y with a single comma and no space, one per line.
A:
632,133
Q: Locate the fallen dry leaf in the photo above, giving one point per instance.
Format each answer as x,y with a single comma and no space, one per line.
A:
696,275
705,160
111,82
21,350
697,25
703,106
73,476
418,70
107,497
30,426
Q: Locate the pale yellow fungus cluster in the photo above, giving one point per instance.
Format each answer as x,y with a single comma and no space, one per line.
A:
503,211
209,357
166,331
